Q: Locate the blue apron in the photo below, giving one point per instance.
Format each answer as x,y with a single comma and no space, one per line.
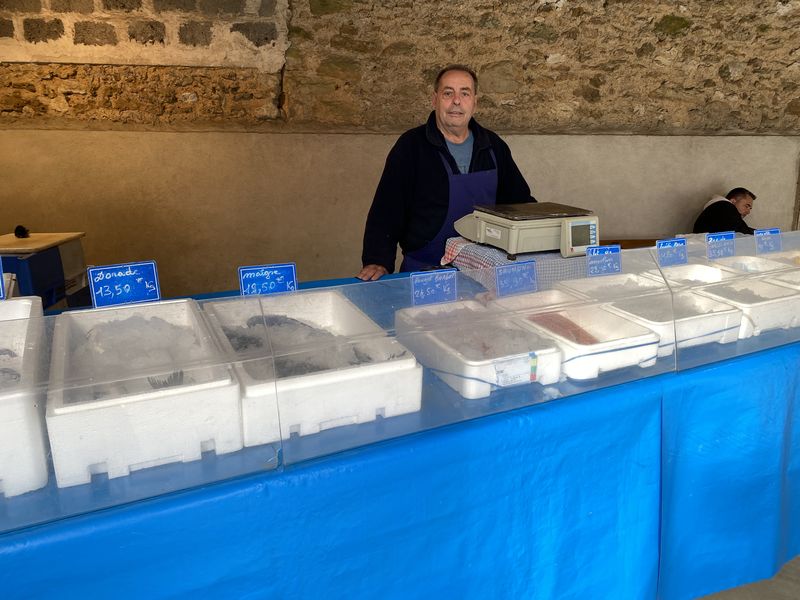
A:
466,190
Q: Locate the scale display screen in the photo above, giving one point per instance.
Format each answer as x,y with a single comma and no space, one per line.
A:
581,235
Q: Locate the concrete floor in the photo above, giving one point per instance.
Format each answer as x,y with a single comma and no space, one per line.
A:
784,586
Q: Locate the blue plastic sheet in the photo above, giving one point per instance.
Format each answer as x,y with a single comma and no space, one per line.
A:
557,500
731,473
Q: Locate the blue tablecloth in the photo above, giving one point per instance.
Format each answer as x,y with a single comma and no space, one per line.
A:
557,500
678,485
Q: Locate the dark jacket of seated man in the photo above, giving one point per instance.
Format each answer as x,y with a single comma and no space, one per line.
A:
726,214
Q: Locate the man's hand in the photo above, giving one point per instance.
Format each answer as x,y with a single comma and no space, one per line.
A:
372,272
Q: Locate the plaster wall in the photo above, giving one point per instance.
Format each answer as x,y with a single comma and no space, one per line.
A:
203,203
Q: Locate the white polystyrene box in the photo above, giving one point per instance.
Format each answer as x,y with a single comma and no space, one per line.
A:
693,319
594,340
315,392
137,386
254,366
750,264
612,287
475,350
23,464
764,305
689,275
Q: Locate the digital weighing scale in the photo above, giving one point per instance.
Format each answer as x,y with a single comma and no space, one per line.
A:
531,227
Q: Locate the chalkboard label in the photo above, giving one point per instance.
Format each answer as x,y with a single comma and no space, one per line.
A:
603,260
516,278
720,245
128,283
267,279
768,240
433,287
671,252
2,282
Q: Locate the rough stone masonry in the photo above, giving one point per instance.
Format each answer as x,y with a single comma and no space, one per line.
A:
366,65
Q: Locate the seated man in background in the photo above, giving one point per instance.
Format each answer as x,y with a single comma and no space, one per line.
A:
434,175
726,214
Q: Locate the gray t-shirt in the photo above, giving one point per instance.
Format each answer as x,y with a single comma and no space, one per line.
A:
461,152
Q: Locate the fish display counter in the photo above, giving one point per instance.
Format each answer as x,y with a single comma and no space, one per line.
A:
113,406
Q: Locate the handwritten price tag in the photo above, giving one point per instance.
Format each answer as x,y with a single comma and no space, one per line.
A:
128,283
517,278
267,279
768,240
433,287
671,252
720,245
603,260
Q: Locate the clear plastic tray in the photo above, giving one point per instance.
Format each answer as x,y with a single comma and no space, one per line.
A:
691,319
764,305
594,340
750,264
689,275
612,287
476,352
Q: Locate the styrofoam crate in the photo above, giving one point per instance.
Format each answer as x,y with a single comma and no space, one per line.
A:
137,386
476,351
750,264
23,464
382,379
594,340
693,319
690,275
764,305
612,287
535,300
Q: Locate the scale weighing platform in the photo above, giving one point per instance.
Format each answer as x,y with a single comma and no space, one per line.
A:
532,227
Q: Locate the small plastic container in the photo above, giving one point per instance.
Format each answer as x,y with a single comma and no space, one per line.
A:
764,305
476,351
23,466
750,264
693,319
345,371
691,275
612,287
137,386
594,340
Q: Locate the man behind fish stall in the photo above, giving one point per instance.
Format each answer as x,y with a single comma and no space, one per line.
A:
433,176
726,214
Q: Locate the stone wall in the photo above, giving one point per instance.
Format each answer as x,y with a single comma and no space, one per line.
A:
569,66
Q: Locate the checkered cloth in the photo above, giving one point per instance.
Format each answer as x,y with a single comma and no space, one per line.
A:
478,262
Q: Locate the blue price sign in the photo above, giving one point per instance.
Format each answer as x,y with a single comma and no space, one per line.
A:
516,278
603,260
720,245
2,282
128,283
671,252
268,279
433,287
768,240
